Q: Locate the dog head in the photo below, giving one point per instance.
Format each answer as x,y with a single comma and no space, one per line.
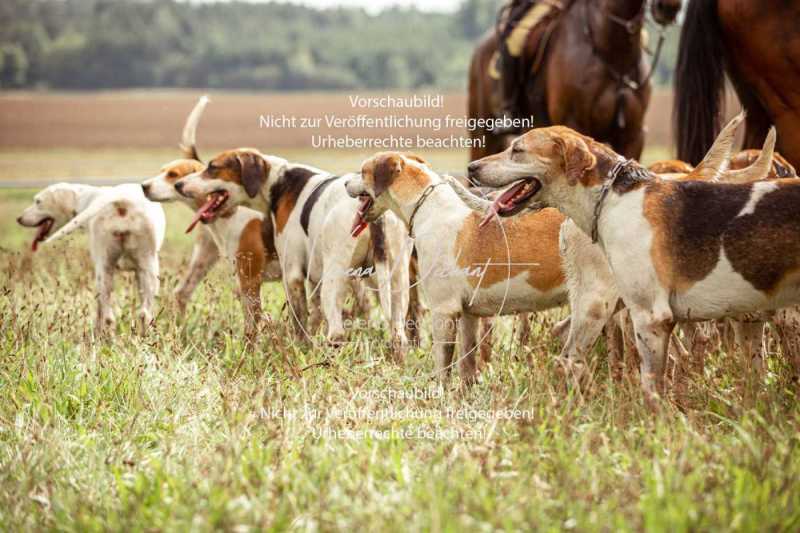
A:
542,167
51,209
231,179
161,188
388,181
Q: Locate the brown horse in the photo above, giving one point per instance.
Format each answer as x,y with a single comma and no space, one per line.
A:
592,76
755,42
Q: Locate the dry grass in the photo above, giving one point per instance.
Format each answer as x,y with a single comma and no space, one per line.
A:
172,430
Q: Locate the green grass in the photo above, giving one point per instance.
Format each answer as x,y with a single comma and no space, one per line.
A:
172,430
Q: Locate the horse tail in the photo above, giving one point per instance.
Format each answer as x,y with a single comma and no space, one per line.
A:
699,81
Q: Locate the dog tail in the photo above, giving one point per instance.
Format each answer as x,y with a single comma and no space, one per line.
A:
473,201
716,161
188,144
121,204
760,169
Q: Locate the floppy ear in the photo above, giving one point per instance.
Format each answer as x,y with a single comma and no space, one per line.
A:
66,199
254,172
385,170
578,159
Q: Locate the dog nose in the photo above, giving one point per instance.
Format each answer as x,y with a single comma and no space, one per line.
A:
145,188
179,187
19,220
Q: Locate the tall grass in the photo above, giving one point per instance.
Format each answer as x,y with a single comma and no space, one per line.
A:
185,428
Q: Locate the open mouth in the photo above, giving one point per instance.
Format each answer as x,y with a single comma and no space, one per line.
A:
360,222
208,211
513,199
42,231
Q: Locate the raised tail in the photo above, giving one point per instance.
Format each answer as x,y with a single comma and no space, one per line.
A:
718,158
760,167
189,138
699,81
472,201
84,217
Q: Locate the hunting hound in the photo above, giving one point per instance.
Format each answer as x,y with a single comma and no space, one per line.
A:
465,273
677,249
125,231
309,210
239,234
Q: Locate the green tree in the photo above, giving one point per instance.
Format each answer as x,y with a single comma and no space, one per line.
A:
13,66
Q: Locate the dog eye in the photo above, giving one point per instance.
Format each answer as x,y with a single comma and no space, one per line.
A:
172,174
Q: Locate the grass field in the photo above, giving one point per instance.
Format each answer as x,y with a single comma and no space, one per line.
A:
183,428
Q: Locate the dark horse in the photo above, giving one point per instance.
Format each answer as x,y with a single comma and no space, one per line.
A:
756,43
593,75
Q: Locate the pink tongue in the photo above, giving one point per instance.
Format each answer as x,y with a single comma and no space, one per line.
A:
500,203
359,225
41,231
198,216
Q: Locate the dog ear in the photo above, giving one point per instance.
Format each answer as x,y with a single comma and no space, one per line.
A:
385,170
578,159
254,172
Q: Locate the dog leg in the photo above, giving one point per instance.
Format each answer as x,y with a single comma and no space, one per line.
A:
749,338
587,324
315,309
523,327
104,279
333,293
295,288
653,330
414,314
444,341
148,283
250,294
468,326
787,323
593,293
699,343
399,289
615,343
485,338
204,256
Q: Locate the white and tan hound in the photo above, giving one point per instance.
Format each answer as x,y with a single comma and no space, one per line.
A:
125,232
678,249
465,273
308,209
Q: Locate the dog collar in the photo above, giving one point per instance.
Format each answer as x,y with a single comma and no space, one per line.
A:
598,207
427,192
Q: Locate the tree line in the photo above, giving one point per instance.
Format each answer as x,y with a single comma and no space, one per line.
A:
107,44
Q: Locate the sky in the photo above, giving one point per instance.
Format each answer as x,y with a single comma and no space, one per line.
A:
377,5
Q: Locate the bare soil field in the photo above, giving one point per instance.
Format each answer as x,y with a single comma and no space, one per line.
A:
147,119
129,135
